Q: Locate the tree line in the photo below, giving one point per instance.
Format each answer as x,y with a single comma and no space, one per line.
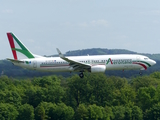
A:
95,97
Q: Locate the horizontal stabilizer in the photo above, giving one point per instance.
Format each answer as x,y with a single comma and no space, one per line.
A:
15,61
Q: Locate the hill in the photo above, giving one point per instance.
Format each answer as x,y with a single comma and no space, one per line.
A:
100,51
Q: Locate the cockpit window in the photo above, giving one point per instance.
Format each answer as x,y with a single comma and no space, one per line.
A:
146,58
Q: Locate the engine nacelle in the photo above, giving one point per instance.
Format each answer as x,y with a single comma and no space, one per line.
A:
98,68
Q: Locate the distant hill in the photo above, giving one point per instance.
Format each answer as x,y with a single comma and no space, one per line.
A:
100,51
10,70
97,51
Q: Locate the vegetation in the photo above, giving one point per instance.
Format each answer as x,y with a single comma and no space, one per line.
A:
95,97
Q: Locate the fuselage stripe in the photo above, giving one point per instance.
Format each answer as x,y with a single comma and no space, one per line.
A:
55,66
146,63
141,65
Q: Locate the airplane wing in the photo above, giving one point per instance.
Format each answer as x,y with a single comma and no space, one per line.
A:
75,64
15,61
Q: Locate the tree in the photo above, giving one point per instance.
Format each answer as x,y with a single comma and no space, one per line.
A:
144,81
137,113
13,97
55,94
146,97
34,95
76,92
81,112
61,112
50,111
40,113
92,89
124,96
119,112
46,81
155,75
26,112
153,113
8,112
5,79
107,113
128,113
95,112
46,89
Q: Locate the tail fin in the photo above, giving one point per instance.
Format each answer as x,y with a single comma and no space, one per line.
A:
18,48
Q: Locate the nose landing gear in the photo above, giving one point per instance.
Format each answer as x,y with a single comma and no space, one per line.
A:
140,73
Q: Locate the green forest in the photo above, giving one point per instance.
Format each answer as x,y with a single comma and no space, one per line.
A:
95,97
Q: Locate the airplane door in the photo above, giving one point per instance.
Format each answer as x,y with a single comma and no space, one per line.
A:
34,64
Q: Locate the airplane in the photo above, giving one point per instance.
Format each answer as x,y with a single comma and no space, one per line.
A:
81,64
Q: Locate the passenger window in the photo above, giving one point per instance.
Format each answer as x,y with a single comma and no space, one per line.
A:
146,58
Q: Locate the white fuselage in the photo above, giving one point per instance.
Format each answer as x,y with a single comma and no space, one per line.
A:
111,62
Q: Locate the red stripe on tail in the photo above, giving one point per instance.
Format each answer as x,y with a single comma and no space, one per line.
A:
10,38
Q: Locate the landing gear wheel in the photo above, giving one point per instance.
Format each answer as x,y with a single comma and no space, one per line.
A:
81,75
140,73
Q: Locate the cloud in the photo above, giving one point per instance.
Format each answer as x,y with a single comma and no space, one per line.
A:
83,24
99,23
73,0
8,11
155,12
156,21
67,24
31,40
94,23
120,37
151,12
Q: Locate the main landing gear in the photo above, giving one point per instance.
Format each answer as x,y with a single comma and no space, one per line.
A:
81,75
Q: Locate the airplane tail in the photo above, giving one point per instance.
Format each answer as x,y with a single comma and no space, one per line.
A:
19,50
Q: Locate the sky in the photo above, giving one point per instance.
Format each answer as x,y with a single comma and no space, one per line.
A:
44,25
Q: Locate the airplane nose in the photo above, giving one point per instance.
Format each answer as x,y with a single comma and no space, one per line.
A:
153,62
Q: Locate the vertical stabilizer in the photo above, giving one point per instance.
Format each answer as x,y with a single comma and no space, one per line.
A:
19,50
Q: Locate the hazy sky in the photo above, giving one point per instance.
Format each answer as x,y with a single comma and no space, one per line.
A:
44,25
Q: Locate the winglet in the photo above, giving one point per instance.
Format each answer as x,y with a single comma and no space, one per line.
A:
60,54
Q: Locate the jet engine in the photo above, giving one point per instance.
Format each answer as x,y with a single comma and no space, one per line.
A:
98,68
